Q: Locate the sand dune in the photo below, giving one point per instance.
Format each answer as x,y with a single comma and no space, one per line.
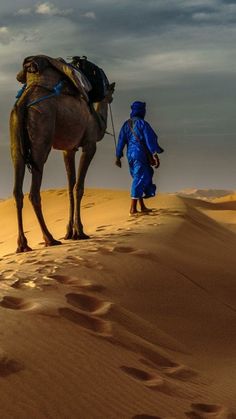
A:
205,194
137,322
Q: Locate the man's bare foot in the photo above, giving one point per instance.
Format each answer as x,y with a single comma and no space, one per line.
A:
146,209
133,212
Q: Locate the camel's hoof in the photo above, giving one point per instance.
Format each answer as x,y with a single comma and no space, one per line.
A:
81,236
23,249
53,243
68,236
84,237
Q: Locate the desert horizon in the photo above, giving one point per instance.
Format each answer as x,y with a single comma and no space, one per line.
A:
136,322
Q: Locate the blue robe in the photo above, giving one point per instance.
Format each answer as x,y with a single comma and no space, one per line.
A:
139,166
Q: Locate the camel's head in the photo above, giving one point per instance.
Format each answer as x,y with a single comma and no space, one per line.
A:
109,93
32,64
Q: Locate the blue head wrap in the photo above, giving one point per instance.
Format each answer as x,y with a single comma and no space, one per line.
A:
138,109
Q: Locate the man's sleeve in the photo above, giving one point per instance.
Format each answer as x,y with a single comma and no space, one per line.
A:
151,139
121,142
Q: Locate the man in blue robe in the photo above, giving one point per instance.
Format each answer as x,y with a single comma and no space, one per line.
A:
142,145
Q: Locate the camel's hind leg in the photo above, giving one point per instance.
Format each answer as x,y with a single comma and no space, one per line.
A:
87,154
69,159
19,166
19,173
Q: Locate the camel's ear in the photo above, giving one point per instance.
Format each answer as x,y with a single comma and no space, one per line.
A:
35,64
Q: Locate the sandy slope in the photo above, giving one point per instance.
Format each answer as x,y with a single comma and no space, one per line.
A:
137,322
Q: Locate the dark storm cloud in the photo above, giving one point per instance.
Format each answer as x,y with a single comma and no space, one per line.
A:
142,18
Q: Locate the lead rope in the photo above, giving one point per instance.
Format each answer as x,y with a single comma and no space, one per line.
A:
113,128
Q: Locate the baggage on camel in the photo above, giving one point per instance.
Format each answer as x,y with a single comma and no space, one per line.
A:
87,78
34,71
95,75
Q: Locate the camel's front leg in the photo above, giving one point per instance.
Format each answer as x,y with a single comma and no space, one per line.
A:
69,159
35,199
85,160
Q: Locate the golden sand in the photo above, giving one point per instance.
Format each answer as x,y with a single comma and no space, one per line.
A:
137,322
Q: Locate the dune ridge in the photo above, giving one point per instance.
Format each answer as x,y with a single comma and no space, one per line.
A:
137,322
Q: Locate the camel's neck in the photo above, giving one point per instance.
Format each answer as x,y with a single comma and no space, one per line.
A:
102,109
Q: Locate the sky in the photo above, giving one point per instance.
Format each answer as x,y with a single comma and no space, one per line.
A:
176,55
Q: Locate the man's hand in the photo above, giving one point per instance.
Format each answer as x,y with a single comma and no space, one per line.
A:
157,161
118,162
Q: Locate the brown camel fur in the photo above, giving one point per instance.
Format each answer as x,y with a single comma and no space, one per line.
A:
65,122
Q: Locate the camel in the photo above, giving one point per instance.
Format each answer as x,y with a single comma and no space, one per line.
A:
64,122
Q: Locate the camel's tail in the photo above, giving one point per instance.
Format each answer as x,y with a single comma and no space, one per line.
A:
20,143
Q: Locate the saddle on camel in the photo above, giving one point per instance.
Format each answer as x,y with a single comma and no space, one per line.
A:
54,110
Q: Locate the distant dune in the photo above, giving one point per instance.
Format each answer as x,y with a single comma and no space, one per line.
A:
227,198
207,194
136,323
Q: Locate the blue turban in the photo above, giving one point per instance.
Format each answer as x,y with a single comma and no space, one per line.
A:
138,109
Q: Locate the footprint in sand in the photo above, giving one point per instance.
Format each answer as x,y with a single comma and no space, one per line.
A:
93,265
149,379
144,254
205,411
71,259
89,205
42,262
15,303
88,303
43,270
155,382
152,381
81,262
180,372
24,283
63,279
73,280
103,227
124,249
9,366
94,324
175,371
143,416
9,262
92,249
155,360
8,274
89,286
105,250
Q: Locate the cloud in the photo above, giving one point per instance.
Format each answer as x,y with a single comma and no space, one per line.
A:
23,12
222,13
3,30
50,9
4,35
89,15
203,16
